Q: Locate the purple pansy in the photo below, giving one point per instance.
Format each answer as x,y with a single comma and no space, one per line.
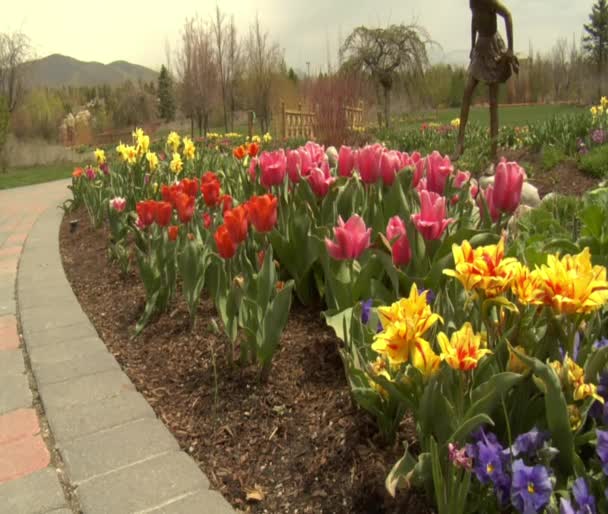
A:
602,448
489,463
366,309
531,487
584,500
530,442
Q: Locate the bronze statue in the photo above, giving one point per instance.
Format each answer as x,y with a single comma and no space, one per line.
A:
490,63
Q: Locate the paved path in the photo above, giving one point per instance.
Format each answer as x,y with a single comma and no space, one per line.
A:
75,435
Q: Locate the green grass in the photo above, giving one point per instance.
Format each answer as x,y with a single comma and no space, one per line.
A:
18,177
507,115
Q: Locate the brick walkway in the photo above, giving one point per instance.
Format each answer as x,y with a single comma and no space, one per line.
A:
75,436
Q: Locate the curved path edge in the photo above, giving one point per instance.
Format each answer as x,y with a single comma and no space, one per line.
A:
117,456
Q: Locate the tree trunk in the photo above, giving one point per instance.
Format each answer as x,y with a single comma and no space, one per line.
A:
192,126
387,106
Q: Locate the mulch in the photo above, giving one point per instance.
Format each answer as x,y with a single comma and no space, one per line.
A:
297,443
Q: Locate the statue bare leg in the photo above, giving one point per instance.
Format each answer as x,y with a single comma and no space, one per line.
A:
493,120
464,115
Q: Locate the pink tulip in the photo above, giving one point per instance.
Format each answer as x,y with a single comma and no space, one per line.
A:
395,228
305,161
352,238
418,173
462,178
118,204
294,164
490,197
346,161
438,169
390,164
316,152
431,221
253,166
368,163
273,166
508,185
320,181
396,233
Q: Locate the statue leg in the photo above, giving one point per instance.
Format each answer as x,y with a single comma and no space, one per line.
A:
464,115
493,120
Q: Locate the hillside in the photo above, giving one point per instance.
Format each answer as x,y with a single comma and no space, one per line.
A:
59,70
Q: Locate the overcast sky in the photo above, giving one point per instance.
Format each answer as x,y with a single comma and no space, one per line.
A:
136,31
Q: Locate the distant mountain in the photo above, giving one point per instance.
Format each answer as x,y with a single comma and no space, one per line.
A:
59,70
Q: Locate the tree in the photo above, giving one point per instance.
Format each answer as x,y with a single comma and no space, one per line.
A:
166,96
385,53
15,49
220,49
595,41
264,59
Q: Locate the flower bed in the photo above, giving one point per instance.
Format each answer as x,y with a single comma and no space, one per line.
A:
497,357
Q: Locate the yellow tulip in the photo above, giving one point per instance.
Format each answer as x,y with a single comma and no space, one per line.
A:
173,141
189,148
130,154
464,350
176,164
425,359
100,155
152,159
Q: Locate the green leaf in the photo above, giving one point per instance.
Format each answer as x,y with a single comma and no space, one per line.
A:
470,424
275,320
485,397
595,364
336,322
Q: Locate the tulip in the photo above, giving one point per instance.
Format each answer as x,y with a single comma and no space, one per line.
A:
239,152
146,212
352,239
431,221
226,202
396,233
210,187
236,223
273,166
207,220
262,211
77,172
508,185
305,162
438,169
418,173
346,161
488,196
253,168
163,213
118,203
320,181
173,232
390,164
185,207
253,149
90,172
368,163
316,152
462,178
190,186
226,247
294,164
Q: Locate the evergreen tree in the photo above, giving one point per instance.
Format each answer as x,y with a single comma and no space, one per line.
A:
166,96
595,41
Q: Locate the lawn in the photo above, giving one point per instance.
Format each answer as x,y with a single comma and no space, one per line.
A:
517,115
18,177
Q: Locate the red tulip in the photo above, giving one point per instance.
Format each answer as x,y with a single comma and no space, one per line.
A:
431,221
489,196
185,207
508,185
239,152
438,169
273,166
346,161
236,223
226,247
253,149
226,203
294,164
396,233
262,211
173,232
210,187
163,213
190,186
351,239
207,220
146,212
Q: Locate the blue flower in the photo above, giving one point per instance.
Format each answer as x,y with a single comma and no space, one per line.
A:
366,308
584,500
489,463
531,487
530,442
600,343
430,295
602,448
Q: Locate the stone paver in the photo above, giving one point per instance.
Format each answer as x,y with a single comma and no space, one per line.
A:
33,494
116,455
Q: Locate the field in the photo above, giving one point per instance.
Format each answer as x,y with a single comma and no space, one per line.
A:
516,115
18,177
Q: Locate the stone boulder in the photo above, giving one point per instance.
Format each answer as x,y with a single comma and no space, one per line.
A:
529,194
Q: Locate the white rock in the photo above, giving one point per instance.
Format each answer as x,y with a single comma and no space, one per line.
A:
529,194
332,155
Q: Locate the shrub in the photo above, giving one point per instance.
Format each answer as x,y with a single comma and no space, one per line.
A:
595,163
551,157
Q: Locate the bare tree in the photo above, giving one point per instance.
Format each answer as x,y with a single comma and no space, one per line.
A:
220,48
15,50
384,53
198,73
559,68
264,60
233,68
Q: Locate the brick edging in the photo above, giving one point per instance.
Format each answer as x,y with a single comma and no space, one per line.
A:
118,456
